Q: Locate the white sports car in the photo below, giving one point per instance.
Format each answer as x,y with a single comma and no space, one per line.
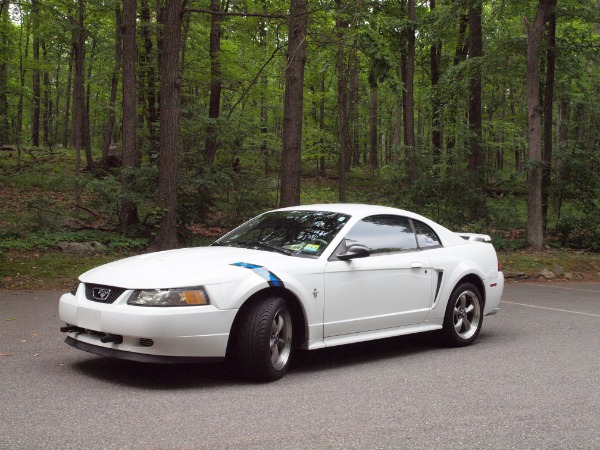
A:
302,277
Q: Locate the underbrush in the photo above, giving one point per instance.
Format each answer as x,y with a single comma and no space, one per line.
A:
40,211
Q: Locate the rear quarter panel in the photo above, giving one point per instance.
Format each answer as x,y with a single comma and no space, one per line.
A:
459,261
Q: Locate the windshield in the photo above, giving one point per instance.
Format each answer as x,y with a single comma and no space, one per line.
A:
301,233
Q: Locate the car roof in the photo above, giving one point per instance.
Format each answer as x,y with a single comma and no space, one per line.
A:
354,209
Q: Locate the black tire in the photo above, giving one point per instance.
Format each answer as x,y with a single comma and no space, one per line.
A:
464,316
264,340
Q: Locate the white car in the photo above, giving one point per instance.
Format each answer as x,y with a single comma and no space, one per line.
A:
302,277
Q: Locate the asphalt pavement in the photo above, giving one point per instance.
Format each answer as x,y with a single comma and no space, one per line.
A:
531,380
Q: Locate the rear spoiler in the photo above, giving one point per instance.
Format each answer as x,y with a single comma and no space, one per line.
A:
475,237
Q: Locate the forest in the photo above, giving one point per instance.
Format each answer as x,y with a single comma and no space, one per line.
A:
151,120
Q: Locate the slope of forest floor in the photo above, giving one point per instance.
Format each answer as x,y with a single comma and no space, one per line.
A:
53,269
41,222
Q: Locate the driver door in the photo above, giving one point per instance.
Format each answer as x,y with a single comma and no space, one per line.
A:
390,288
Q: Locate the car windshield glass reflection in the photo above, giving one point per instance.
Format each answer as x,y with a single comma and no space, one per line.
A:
302,233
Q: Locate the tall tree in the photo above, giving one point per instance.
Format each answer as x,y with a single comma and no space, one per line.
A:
170,85
341,23
78,42
4,49
408,66
65,136
128,213
293,102
114,85
148,92
36,84
476,163
535,30
216,85
548,107
436,107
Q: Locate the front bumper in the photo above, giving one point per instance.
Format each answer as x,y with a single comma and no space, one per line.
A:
153,334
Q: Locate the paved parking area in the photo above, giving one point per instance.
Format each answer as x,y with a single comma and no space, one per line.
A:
531,380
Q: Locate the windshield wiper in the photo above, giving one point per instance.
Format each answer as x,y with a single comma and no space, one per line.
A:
265,245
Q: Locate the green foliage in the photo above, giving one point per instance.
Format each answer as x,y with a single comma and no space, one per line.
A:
107,194
48,240
580,229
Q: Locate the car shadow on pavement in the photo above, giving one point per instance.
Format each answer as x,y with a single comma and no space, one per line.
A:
183,376
154,376
364,352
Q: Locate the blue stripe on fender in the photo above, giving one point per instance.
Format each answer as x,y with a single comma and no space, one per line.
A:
268,276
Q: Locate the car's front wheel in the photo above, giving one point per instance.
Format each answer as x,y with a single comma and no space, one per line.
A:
264,339
464,316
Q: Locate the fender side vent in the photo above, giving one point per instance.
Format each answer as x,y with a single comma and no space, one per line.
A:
439,285
146,342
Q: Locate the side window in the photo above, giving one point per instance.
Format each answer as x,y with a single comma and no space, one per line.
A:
425,235
383,234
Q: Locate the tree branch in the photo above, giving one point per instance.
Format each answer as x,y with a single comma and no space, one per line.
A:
253,82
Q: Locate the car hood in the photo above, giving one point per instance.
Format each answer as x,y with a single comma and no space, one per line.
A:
188,267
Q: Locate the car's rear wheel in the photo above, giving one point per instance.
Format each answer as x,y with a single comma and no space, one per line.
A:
464,316
264,339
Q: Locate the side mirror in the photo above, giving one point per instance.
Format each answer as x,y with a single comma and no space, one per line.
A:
355,251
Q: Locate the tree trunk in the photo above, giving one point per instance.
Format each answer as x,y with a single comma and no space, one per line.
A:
409,105
87,140
110,121
535,223
170,85
36,85
47,101
436,107
149,85
373,133
322,169
66,134
548,104
264,112
128,214
77,27
353,91
214,105
4,126
22,72
292,105
476,163
342,103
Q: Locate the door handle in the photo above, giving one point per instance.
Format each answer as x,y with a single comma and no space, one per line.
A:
416,265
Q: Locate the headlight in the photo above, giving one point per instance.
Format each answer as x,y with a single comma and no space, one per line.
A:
193,296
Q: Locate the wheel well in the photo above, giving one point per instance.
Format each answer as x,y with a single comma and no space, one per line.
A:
475,280
298,318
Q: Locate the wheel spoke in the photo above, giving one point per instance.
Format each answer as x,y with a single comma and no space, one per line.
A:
463,301
467,324
458,325
470,308
277,324
274,354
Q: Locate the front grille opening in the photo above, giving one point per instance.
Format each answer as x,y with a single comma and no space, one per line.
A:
146,342
101,293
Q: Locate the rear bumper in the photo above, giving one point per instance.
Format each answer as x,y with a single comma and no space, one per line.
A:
494,288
